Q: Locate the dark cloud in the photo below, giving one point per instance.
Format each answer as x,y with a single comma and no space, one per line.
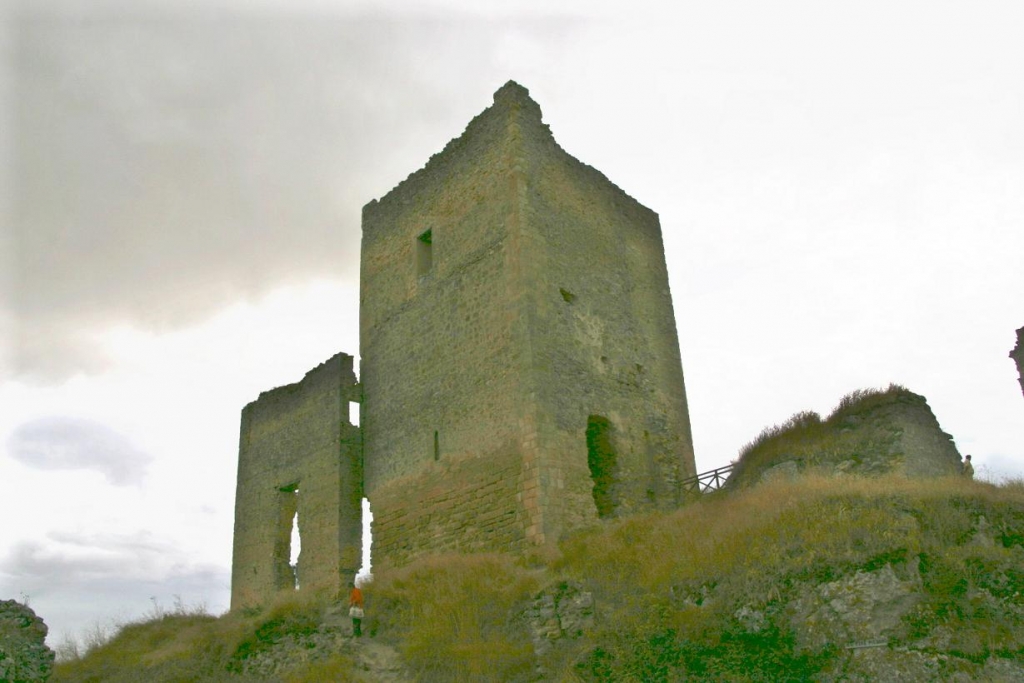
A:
61,443
165,164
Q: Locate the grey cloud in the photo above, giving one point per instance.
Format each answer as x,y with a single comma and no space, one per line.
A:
75,583
167,163
62,556
61,443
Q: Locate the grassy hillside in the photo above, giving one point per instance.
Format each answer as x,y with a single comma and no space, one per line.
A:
814,579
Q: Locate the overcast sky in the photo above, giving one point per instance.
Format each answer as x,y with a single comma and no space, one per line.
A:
840,185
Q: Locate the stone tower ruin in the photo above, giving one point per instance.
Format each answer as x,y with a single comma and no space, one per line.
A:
521,374
519,354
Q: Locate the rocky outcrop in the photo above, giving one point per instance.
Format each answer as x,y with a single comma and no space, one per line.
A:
558,614
24,655
870,433
564,611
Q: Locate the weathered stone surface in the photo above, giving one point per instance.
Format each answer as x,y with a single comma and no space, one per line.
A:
865,607
299,453
892,431
24,655
558,613
784,470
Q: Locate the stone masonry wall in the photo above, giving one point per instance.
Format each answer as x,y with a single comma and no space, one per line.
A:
442,350
510,296
482,512
298,452
603,335
1017,354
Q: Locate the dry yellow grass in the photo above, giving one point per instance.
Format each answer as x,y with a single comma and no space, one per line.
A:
667,588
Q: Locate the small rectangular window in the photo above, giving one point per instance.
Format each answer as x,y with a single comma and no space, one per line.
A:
424,257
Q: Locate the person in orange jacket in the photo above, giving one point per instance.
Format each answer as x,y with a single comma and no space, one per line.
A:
355,609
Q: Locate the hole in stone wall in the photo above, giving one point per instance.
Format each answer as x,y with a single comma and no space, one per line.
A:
288,543
601,461
567,295
296,547
424,253
366,570
353,413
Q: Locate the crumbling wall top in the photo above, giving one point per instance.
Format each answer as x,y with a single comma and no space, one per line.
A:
338,369
513,117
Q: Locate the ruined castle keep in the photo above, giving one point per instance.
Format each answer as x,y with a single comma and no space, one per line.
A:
520,371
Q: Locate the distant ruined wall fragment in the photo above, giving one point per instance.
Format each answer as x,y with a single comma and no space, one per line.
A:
1017,354
24,655
870,433
299,454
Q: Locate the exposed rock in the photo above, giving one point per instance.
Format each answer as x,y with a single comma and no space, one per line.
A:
24,655
753,620
870,433
564,611
864,607
784,470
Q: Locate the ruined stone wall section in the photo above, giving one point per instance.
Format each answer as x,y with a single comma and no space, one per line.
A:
299,437
895,432
1017,354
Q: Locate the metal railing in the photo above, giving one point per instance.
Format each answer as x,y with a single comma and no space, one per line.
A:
712,480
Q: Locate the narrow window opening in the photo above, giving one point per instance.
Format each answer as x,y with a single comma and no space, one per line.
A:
437,447
424,253
353,413
601,461
366,570
568,296
288,542
296,548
